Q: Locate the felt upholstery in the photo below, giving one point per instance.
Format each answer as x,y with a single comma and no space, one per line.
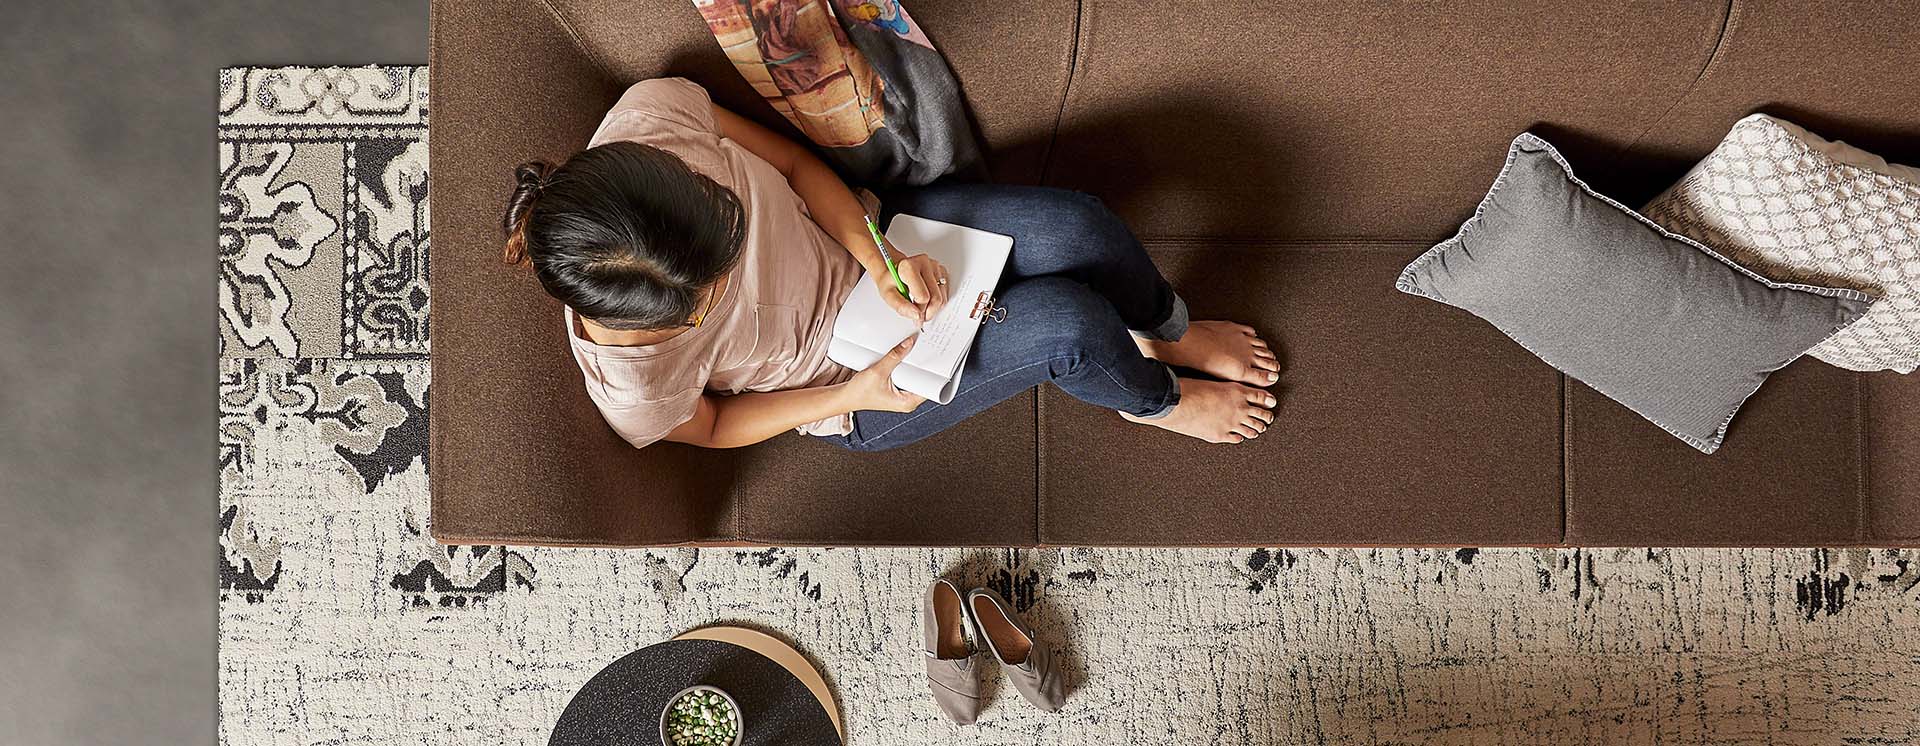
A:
1283,162
1396,425
1890,450
1790,473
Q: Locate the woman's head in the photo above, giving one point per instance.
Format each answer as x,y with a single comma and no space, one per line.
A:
623,233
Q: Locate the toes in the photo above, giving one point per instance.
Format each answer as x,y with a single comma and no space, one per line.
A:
1258,375
1257,341
1265,416
1265,355
1233,437
1261,398
1245,432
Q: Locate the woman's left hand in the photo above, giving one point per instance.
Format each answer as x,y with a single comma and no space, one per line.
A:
927,284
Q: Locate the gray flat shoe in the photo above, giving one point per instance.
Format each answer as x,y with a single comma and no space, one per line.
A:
950,671
1029,663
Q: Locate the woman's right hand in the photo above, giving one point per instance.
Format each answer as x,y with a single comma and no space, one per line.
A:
926,281
872,389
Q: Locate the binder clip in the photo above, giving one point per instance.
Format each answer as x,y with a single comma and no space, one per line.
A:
985,310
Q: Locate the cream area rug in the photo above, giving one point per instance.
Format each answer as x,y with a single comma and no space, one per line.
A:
341,622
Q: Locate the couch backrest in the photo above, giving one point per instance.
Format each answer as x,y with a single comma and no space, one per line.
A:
1352,120
1347,119
1337,119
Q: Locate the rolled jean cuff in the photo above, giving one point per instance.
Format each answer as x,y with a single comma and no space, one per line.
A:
1173,328
1172,400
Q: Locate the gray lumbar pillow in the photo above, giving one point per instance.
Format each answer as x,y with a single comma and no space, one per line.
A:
1653,320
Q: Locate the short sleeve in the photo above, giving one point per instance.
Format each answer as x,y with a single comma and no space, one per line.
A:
669,109
645,423
641,399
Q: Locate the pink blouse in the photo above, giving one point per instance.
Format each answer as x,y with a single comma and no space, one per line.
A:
769,328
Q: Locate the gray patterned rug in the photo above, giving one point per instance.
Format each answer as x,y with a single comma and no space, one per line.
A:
342,622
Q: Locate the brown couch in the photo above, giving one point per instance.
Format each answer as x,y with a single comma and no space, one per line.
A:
1282,164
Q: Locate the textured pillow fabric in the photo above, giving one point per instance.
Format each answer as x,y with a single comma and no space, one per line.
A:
1652,320
1784,202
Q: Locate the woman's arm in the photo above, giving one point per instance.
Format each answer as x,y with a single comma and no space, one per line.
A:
833,206
746,419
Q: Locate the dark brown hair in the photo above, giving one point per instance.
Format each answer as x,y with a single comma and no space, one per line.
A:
625,234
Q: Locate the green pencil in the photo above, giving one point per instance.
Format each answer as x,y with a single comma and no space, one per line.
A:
882,246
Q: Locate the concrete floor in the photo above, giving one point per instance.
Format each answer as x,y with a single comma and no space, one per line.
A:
107,464
107,480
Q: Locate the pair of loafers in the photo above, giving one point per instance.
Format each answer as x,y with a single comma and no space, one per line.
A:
957,629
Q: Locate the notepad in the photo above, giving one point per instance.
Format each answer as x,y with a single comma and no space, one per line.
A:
867,328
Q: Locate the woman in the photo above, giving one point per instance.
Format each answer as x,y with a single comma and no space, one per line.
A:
702,259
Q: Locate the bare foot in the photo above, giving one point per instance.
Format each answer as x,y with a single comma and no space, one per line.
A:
1219,348
1217,412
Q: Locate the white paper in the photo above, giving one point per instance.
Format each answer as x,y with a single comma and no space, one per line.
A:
867,328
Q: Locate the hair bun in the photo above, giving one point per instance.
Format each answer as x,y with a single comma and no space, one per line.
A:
530,179
532,175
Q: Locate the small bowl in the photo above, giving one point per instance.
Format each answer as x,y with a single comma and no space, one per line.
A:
739,719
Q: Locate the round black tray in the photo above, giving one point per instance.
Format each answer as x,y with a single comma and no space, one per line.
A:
621,704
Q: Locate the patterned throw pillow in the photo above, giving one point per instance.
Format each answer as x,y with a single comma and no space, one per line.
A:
1795,207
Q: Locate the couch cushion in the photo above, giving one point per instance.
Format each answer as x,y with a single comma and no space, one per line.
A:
1892,412
1317,119
972,485
519,454
1399,422
1790,473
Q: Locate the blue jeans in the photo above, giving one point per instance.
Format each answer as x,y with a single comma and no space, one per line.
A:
1077,289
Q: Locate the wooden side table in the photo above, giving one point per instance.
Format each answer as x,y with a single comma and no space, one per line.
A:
783,699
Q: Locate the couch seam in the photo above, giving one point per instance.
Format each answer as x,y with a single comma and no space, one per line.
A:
578,43
1566,459
1729,21
1321,243
1066,89
739,500
1291,543
740,507
1039,468
1863,526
